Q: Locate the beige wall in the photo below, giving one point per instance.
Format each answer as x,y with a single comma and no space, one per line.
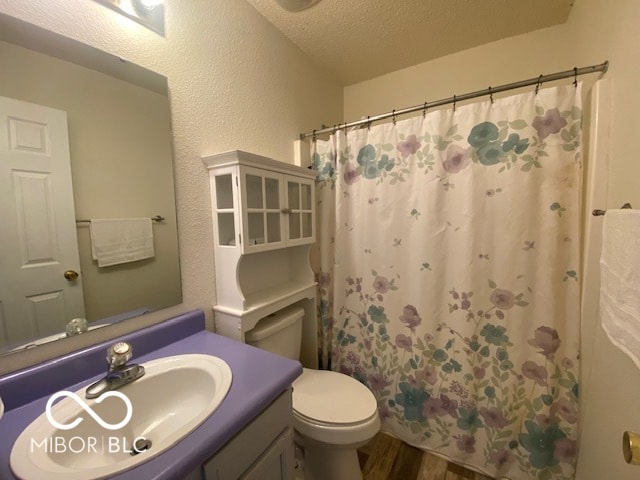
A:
235,82
122,166
596,31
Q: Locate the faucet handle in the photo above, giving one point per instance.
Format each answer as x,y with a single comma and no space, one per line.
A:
76,327
119,354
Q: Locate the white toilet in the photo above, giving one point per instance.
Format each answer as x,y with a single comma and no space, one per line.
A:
333,414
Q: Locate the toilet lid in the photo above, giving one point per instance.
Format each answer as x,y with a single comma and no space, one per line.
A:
331,397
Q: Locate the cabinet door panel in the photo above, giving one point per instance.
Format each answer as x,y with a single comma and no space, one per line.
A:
293,194
277,463
256,235
307,225
226,228
300,202
224,196
224,191
261,194
306,197
274,230
262,436
272,193
294,225
254,190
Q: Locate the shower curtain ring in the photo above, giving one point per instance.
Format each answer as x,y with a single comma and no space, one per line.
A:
314,137
454,103
424,110
490,95
393,116
575,76
538,84
368,123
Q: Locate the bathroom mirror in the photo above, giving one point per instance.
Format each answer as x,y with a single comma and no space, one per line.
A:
121,162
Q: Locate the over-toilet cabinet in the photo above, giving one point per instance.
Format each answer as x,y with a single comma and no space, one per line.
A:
264,224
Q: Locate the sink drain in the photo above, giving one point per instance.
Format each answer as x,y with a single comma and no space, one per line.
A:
140,445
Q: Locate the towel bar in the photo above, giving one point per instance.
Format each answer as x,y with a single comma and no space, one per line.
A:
597,213
157,218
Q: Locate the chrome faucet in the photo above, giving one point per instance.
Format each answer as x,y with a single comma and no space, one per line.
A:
119,373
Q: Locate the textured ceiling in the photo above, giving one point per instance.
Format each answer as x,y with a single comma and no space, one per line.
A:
362,39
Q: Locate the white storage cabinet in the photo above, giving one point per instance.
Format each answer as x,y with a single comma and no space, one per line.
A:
264,225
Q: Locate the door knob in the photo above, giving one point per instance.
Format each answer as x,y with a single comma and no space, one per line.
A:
631,447
71,275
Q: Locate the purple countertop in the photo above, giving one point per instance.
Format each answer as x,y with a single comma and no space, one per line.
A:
259,377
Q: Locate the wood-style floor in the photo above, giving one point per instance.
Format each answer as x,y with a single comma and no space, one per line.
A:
387,458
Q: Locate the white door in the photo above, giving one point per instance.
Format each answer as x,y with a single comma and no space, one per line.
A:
38,241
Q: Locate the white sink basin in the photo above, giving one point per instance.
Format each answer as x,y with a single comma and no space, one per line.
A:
175,396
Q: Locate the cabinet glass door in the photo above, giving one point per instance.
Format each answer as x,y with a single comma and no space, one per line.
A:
306,210
255,210
293,194
262,210
300,208
224,209
272,194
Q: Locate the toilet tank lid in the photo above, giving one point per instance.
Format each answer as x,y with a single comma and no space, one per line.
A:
275,322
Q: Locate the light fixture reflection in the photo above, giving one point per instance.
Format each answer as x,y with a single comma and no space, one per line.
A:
149,13
296,5
150,4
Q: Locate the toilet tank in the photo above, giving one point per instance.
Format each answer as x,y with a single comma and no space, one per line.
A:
279,333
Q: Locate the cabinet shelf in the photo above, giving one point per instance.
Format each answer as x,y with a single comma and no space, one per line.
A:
268,300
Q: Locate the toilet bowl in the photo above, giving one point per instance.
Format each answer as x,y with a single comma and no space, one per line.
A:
333,414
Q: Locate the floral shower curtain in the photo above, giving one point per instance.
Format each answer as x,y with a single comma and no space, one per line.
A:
449,251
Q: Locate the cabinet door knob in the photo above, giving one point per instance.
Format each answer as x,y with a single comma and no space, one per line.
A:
286,210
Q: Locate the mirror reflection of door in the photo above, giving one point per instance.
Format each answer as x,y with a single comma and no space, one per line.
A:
38,221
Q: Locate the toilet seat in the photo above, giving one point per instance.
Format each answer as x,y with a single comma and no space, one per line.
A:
333,408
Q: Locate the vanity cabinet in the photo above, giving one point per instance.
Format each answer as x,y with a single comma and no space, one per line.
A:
264,450
263,214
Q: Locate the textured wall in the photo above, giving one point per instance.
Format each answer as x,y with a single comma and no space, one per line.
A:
235,83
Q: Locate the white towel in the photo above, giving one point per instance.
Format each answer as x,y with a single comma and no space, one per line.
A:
620,280
121,240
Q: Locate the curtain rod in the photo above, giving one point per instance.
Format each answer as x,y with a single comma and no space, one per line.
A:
603,67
